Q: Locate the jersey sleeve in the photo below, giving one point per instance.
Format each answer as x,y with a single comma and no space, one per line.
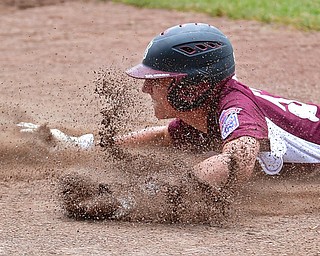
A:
240,116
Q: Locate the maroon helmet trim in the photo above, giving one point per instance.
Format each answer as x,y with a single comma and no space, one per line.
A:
142,71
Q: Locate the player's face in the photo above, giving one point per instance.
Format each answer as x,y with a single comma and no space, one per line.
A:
158,90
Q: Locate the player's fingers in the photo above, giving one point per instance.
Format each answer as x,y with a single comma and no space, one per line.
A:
28,130
25,125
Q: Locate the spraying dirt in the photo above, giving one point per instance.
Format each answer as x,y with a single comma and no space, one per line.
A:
53,59
156,186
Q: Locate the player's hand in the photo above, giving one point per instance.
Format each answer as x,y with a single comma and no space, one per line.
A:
61,139
28,127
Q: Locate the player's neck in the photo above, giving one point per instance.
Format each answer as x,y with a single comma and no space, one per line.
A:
196,118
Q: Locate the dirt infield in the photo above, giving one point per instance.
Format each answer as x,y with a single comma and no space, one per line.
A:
50,57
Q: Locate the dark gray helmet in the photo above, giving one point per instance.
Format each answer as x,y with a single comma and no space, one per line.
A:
198,56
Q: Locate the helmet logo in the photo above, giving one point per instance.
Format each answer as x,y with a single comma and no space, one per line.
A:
147,50
197,47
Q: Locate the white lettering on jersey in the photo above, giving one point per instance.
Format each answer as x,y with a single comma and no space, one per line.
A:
286,148
297,108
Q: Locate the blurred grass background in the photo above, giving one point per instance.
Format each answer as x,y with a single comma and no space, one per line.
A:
301,14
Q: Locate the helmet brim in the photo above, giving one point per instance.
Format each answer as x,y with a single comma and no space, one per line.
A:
142,71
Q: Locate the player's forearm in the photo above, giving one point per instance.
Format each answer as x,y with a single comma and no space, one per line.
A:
233,166
157,135
213,171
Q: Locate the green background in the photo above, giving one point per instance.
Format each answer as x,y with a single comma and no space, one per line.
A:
301,14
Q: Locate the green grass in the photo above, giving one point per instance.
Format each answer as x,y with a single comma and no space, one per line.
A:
302,14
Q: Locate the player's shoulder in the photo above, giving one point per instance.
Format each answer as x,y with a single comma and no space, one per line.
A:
236,94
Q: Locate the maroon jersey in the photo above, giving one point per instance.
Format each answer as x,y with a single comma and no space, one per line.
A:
292,127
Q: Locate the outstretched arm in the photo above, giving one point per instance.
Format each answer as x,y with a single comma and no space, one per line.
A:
157,135
232,167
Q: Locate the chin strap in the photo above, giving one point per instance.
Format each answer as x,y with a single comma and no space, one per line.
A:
185,95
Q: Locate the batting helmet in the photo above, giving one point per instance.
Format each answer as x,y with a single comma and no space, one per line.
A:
198,56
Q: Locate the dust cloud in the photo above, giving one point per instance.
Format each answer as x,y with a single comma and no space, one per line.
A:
153,184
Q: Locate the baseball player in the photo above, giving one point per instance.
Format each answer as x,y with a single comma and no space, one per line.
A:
189,73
